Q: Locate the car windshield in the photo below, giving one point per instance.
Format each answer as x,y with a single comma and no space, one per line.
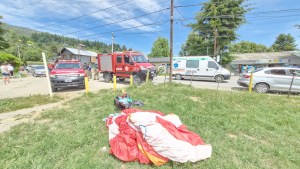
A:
140,58
68,66
39,67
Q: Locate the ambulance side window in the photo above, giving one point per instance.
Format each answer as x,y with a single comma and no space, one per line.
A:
119,59
192,64
212,64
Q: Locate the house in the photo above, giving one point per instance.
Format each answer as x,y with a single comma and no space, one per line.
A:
243,61
85,56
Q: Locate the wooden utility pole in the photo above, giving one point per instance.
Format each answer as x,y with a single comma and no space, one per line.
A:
112,42
215,42
171,39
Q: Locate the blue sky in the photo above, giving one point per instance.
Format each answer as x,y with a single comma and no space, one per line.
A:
96,19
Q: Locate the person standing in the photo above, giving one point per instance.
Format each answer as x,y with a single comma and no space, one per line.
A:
5,73
11,70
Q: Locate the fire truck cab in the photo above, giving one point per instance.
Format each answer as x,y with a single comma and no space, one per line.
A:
124,64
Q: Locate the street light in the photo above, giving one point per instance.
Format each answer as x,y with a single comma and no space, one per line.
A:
225,50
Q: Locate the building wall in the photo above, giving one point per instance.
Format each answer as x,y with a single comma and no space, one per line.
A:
68,55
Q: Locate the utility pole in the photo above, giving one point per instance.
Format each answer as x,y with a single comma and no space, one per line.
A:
171,39
19,51
215,42
112,42
19,54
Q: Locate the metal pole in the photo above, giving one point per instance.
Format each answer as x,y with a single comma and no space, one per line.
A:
215,42
291,85
192,78
112,42
166,74
19,51
251,83
171,39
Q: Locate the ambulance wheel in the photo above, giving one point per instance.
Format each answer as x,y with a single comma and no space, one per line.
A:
107,77
137,80
219,78
178,77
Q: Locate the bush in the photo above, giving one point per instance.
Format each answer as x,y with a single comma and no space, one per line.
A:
9,58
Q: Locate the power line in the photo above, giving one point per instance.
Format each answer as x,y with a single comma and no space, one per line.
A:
92,21
116,22
86,14
157,23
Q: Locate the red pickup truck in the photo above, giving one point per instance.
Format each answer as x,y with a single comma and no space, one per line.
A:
67,73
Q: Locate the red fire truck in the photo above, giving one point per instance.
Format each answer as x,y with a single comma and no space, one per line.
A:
124,64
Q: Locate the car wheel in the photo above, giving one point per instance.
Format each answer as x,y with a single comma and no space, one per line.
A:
219,78
178,77
82,86
261,88
107,77
54,89
137,80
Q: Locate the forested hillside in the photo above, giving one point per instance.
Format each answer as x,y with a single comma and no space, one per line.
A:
31,43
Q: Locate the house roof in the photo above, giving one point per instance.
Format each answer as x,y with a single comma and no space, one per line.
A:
290,57
266,55
80,52
160,60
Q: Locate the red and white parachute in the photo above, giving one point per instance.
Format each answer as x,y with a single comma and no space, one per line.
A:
152,137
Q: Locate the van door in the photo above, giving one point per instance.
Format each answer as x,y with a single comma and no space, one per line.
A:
192,69
119,65
128,65
209,69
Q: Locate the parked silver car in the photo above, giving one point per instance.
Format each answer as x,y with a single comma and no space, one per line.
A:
272,79
38,70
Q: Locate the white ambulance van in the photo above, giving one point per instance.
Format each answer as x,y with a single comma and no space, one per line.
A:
199,68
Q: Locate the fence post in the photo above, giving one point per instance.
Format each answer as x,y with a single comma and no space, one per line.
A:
291,85
131,80
115,83
86,83
192,78
147,76
250,84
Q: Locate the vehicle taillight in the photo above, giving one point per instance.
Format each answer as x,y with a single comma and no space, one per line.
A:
246,76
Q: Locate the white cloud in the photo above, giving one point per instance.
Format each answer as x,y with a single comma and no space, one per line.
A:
41,15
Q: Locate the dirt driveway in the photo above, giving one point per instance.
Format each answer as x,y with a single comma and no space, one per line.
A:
38,85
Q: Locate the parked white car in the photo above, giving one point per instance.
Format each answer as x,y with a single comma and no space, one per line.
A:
272,79
38,70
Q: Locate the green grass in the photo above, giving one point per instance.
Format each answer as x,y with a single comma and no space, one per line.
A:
245,130
12,104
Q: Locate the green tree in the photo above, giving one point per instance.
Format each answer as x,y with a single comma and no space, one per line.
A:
32,55
3,43
9,58
248,47
160,48
284,42
220,19
124,48
196,45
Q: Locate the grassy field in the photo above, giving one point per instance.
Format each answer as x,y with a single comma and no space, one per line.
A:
245,130
7,105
